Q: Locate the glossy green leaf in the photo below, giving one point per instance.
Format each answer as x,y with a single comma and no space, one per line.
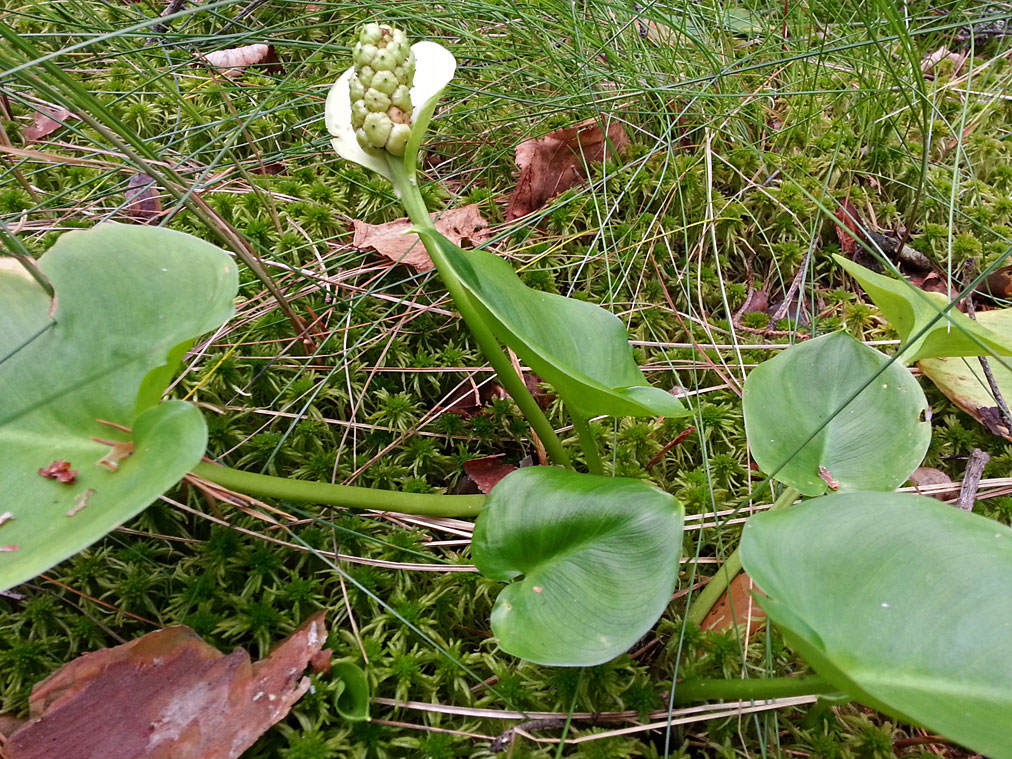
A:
126,298
964,382
579,348
598,555
873,443
910,310
351,694
900,601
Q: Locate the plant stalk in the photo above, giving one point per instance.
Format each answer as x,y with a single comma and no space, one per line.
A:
713,590
752,689
305,491
513,383
582,426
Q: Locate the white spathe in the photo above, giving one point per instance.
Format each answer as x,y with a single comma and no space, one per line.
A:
434,68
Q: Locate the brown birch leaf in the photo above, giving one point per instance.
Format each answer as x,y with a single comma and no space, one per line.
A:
46,121
558,161
235,60
736,607
464,226
143,203
167,695
487,471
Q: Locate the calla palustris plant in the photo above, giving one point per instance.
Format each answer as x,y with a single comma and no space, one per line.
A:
829,415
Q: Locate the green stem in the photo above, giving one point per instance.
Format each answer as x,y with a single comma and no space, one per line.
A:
751,690
263,485
713,590
413,204
582,426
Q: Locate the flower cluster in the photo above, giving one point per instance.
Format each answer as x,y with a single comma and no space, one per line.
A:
380,89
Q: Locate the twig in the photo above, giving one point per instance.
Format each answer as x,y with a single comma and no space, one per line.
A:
971,479
503,742
173,6
679,438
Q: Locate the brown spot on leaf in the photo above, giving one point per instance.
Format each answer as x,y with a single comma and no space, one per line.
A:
167,695
487,471
59,470
5,518
462,226
558,161
9,549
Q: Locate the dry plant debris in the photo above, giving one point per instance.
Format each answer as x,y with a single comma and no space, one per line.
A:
166,695
736,607
558,161
394,240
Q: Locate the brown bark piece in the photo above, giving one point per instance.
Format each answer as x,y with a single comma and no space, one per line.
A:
736,607
167,695
463,226
558,161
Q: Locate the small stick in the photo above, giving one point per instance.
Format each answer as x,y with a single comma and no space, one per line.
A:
660,454
971,479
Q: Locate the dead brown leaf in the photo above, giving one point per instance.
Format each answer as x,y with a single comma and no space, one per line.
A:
235,60
167,695
736,607
142,201
47,120
487,471
932,479
558,161
464,226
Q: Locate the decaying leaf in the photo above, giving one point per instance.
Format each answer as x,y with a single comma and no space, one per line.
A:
933,483
47,120
464,226
964,382
931,60
487,471
167,695
998,284
233,61
117,452
142,201
60,471
736,607
558,161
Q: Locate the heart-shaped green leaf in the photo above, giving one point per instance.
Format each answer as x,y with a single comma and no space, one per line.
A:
599,557
900,601
874,443
351,697
579,348
126,298
911,310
